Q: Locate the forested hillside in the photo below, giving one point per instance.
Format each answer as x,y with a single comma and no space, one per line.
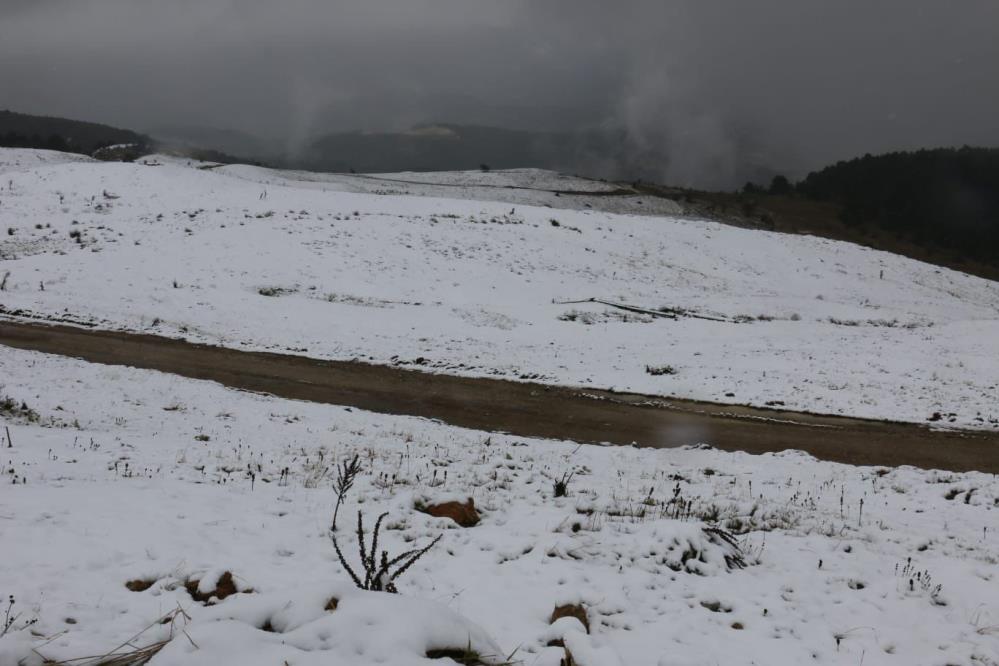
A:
943,197
20,130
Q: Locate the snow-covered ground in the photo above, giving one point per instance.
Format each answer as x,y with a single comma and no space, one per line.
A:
521,187
119,475
294,262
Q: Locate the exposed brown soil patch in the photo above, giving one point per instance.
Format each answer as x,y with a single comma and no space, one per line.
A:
463,514
225,587
571,610
139,585
568,610
462,656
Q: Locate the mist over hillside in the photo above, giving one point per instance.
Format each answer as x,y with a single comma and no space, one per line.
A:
601,152
596,153
228,141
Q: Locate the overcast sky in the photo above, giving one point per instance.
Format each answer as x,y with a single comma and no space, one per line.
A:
794,82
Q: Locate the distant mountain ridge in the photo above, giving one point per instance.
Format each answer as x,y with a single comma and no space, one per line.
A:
939,199
596,152
449,147
607,152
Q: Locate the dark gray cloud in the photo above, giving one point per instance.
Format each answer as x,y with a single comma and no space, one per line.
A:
702,87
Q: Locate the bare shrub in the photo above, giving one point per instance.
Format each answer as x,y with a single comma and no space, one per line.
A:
379,576
15,411
561,485
346,473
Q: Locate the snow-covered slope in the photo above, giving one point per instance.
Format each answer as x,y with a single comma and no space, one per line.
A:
119,475
256,258
19,159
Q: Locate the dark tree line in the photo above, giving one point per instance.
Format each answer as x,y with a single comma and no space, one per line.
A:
50,142
19,130
947,198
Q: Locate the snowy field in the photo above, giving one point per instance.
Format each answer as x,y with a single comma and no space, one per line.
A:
297,263
121,476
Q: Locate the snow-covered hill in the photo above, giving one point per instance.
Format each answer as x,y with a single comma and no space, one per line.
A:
22,159
300,263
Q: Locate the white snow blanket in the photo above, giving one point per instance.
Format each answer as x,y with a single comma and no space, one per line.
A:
117,475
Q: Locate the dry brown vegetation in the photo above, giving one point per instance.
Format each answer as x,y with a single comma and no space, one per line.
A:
799,215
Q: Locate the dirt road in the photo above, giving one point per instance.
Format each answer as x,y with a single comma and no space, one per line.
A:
529,410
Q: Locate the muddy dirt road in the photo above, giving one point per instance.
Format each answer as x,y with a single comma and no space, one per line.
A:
529,410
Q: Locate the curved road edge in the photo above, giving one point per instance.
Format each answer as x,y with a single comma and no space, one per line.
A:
520,408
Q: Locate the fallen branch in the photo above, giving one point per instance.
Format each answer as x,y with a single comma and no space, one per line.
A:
621,306
665,313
